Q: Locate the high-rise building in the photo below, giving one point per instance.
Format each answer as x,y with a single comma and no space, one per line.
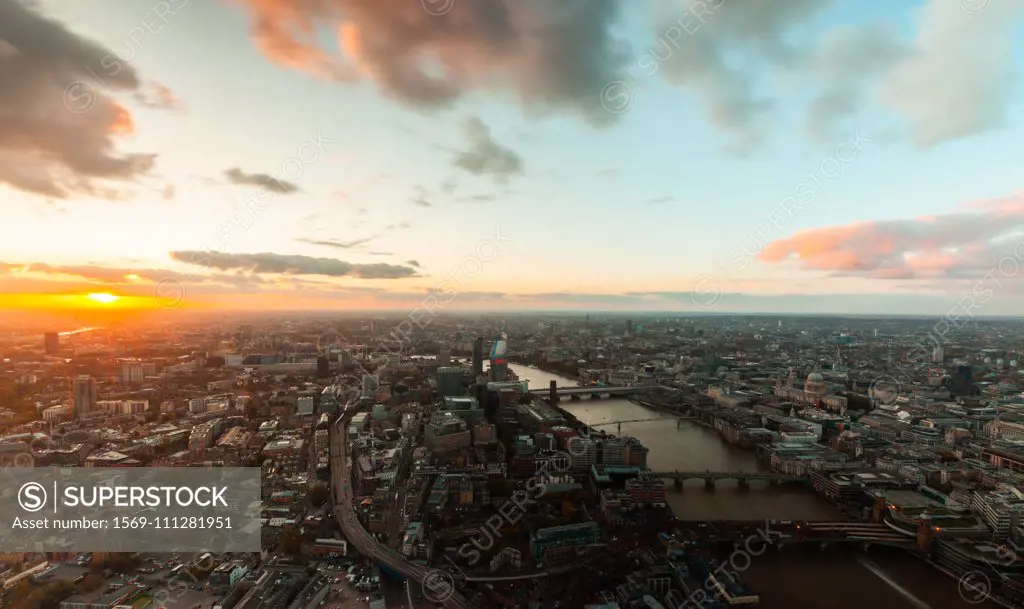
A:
449,381
51,342
444,357
84,395
629,327
963,381
478,356
323,367
132,373
499,363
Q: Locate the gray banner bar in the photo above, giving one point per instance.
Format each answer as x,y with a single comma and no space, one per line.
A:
168,509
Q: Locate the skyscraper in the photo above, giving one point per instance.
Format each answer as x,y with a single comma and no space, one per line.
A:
51,341
323,366
478,356
84,396
499,363
449,381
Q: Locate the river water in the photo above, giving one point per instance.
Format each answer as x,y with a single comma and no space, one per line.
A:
793,578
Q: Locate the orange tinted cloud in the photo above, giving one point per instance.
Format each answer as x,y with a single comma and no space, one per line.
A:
122,122
554,54
948,245
57,121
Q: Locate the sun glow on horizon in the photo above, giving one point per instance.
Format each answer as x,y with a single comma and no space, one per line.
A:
102,297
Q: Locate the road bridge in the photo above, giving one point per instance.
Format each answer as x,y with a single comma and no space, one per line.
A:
711,478
822,533
593,392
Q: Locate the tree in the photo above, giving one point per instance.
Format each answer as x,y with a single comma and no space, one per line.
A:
318,495
46,596
93,581
122,562
51,595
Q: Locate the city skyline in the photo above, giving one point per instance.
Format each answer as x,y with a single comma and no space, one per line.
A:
481,155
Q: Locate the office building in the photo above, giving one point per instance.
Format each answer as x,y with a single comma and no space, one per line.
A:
305,405
623,451
478,357
323,367
963,382
449,381
578,535
499,363
646,491
84,395
51,342
444,357
467,408
445,432
484,433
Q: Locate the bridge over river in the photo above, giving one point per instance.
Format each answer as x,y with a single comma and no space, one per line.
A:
782,533
594,392
742,478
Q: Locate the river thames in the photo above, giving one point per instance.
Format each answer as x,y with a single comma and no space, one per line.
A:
793,578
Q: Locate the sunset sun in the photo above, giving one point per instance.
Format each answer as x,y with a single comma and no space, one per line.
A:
102,297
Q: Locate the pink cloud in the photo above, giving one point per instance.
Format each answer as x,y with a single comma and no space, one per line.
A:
954,245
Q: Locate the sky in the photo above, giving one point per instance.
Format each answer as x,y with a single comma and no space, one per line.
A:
800,156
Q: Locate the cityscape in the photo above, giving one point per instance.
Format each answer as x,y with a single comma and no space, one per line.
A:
524,304
569,460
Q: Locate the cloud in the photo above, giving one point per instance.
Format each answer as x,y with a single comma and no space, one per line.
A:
286,264
157,95
413,263
485,156
964,244
344,245
261,180
479,198
420,197
120,276
849,61
959,79
57,126
660,200
278,292
549,55
951,78
721,57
